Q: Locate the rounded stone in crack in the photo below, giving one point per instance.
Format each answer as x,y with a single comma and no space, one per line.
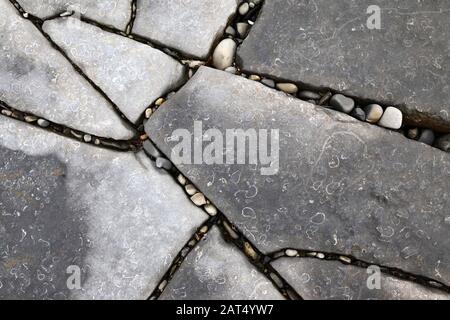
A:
374,112
443,143
391,119
427,136
342,103
287,88
224,53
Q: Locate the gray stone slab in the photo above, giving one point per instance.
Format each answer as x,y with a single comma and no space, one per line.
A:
115,13
66,204
36,78
328,44
132,74
342,186
190,26
216,270
330,280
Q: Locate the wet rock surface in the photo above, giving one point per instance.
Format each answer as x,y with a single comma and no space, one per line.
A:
69,209
115,13
190,26
36,78
337,45
330,280
340,185
216,270
132,74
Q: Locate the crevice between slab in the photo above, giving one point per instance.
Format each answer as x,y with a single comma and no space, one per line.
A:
44,124
38,23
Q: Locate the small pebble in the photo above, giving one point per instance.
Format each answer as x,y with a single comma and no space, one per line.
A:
143,137
242,29
308,95
159,102
97,142
30,119
7,112
190,189
181,179
291,253
342,103
43,123
391,119
162,285
148,113
243,9
374,112
230,30
198,199
223,56
345,259
443,143
204,229
289,88
255,77
76,135
150,149
87,138
413,133
210,209
427,136
163,163
320,255
250,252
359,114
268,82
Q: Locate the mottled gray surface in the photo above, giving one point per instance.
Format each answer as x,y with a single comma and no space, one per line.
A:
132,74
217,270
328,44
63,203
329,280
343,185
190,26
36,78
116,13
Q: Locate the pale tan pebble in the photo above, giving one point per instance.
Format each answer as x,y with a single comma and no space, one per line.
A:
159,102
198,199
7,113
204,229
30,119
148,113
255,77
143,137
249,251
211,209
320,255
345,259
291,253
287,88
162,285
182,179
190,189
97,142
87,138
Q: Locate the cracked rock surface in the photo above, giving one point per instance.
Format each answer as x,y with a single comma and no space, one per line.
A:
36,78
115,13
330,280
65,204
132,74
216,270
328,44
130,168
342,186
190,26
